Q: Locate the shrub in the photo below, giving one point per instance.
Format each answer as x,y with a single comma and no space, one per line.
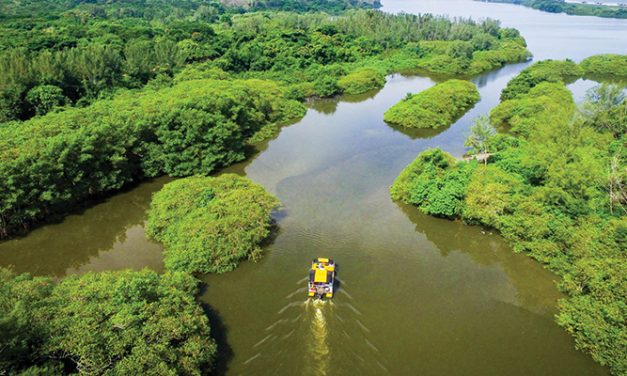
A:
326,86
435,107
542,71
361,81
434,182
605,65
117,323
44,98
545,103
195,127
209,225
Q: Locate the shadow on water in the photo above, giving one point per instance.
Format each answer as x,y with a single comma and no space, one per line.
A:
77,209
423,133
328,106
486,247
106,236
219,333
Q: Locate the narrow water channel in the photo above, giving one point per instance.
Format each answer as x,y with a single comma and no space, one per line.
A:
417,295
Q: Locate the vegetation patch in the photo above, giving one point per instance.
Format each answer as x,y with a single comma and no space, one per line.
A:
208,225
51,162
361,81
545,103
110,323
556,191
435,183
542,71
605,65
435,107
94,51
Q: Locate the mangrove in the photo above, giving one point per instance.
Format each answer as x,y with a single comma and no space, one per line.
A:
208,225
50,163
109,323
555,188
435,107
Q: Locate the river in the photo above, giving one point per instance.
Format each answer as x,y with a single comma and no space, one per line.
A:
417,295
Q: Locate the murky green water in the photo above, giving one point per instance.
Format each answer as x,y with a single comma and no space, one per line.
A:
417,295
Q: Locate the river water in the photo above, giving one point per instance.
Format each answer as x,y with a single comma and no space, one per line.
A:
417,295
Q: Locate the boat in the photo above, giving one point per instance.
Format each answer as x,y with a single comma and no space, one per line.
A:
321,278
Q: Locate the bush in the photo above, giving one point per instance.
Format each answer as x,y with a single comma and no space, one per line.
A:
542,71
326,86
545,103
489,196
361,81
44,98
435,107
605,65
195,127
434,182
209,225
117,323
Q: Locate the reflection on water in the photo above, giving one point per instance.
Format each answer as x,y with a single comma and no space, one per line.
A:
548,35
107,236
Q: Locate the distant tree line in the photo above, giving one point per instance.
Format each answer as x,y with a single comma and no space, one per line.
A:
561,6
48,63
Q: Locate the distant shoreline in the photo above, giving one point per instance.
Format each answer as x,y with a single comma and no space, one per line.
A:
614,9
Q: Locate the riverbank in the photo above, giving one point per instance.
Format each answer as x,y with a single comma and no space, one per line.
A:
577,8
331,170
529,193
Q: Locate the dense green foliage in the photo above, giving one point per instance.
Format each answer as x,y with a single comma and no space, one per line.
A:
435,107
209,225
112,323
435,183
545,103
331,6
194,127
557,191
605,65
579,9
83,55
361,80
164,9
542,71
178,125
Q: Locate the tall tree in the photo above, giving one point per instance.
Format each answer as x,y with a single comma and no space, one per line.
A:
479,138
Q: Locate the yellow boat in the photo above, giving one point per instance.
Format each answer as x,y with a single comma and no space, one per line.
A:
321,278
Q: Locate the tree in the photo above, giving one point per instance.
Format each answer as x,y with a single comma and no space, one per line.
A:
113,323
617,186
479,138
209,224
605,109
44,98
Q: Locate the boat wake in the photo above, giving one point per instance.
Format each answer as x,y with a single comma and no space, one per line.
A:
316,337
